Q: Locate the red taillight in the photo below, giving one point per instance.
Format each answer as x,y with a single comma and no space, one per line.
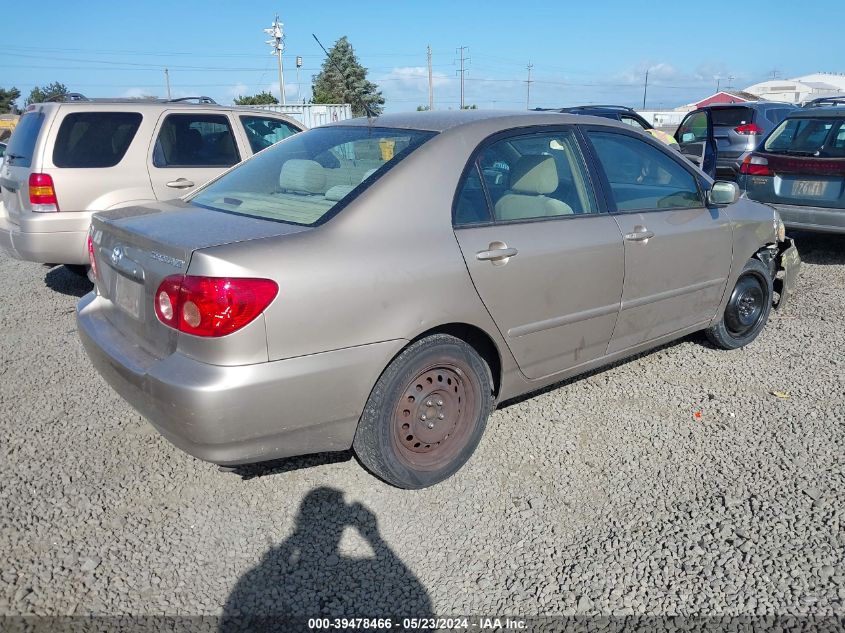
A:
748,129
212,306
754,165
42,193
91,259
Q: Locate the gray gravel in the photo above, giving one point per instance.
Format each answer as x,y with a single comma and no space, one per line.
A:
604,495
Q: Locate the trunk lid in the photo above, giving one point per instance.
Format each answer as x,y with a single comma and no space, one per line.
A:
135,248
730,143
799,180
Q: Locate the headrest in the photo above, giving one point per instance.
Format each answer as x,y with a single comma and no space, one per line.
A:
535,174
302,176
339,192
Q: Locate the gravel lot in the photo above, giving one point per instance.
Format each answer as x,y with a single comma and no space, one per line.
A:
606,494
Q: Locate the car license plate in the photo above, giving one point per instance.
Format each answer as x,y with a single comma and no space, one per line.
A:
809,188
127,296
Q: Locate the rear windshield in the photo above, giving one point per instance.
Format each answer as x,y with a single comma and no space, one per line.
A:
808,137
731,117
94,139
303,178
22,144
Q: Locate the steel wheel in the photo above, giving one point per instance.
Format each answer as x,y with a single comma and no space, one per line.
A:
426,413
434,416
746,305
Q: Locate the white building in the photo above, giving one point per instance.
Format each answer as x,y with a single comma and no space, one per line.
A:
801,89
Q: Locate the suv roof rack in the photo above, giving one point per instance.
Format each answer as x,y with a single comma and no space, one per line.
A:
591,106
203,100
825,101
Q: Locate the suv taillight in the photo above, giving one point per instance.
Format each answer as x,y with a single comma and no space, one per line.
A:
91,259
212,306
748,129
42,193
754,165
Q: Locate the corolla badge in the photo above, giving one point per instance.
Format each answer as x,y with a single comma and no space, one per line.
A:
116,254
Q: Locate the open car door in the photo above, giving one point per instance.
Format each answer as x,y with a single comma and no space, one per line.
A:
697,141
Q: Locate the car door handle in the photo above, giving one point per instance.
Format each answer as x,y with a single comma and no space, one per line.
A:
640,234
498,253
180,183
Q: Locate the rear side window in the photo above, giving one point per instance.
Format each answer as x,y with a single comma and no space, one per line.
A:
262,132
22,144
195,140
94,139
642,177
731,117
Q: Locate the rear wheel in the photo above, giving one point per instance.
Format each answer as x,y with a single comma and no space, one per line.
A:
426,414
747,310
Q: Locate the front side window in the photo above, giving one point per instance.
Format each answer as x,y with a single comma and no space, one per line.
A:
262,132
641,176
303,180
693,128
527,177
94,139
195,140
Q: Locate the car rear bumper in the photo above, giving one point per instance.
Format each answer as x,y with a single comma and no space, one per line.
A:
48,238
822,219
241,414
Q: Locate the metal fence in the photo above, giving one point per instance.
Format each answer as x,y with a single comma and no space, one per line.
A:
313,114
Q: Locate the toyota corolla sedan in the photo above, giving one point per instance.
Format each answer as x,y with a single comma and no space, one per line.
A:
381,284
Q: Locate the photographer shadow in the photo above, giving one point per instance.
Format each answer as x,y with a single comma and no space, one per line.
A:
307,575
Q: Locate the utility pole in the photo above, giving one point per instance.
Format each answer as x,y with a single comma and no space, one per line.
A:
645,87
528,87
167,81
718,83
775,74
298,66
277,43
430,80
461,71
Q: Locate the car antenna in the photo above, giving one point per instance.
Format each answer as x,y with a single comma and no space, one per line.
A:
367,109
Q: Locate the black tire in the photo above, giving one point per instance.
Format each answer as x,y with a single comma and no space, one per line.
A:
426,414
747,310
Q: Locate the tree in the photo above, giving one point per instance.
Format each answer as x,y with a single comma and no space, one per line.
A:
8,98
47,93
262,98
343,80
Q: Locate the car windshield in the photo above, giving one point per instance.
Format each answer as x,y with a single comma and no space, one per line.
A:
808,137
305,177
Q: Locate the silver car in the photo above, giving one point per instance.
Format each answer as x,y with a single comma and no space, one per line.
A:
382,284
67,160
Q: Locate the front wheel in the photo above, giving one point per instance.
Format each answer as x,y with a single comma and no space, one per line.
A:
426,414
748,308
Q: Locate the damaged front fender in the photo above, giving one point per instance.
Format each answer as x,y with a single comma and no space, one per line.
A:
786,265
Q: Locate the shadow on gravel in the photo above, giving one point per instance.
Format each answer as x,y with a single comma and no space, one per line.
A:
820,248
61,279
307,575
289,464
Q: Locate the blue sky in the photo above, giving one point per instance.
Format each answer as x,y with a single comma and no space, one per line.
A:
582,52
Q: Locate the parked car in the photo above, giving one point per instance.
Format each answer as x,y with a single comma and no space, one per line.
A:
381,284
2,153
618,113
800,170
718,137
66,160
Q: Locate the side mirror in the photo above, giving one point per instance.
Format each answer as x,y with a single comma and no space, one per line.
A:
687,137
723,193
